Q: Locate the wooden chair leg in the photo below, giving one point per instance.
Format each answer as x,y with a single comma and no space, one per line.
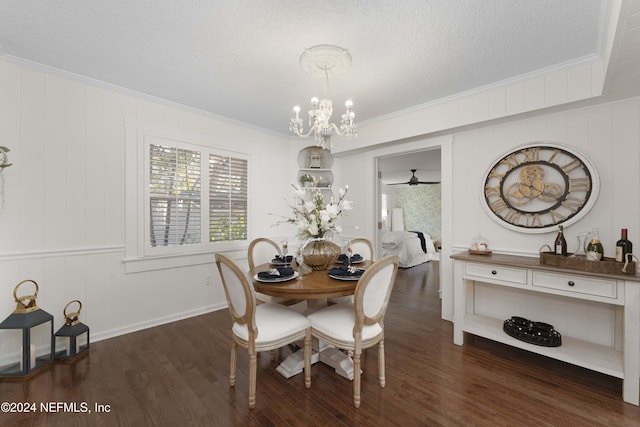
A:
253,370
356,380
307,359
272,354
381,378
233,362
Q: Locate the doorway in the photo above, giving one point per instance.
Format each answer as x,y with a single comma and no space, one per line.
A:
410,184
409,198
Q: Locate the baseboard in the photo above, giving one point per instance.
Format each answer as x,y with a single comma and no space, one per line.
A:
156,322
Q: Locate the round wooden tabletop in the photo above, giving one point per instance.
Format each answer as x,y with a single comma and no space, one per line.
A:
315,285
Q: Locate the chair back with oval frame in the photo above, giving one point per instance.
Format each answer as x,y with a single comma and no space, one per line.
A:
279,325
360,325
364,247
262,250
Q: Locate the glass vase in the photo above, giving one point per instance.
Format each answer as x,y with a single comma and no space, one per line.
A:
320,253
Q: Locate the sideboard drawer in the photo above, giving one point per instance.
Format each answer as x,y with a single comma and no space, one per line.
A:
577,284
494,272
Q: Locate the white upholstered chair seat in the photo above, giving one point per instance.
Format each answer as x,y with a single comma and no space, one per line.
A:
337,321
277,326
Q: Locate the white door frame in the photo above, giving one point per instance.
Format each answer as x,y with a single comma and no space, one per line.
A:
446,163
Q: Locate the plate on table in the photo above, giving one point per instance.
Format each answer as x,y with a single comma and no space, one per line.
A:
281,261
341,274
355,259
277,279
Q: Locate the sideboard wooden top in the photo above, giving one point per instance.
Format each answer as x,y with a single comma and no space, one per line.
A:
534,263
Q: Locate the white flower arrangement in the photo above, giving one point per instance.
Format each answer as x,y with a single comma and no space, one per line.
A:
313,216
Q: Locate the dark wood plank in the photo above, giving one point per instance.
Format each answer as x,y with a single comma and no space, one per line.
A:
177,374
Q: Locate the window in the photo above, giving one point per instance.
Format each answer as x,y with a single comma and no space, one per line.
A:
184,199
181,177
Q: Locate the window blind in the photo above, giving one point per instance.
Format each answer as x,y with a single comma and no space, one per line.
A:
228,182
174,196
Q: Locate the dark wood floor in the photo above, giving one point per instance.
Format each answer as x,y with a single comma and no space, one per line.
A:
177,374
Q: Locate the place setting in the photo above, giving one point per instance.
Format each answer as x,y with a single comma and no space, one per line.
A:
355,259
276,275
284,259
348,272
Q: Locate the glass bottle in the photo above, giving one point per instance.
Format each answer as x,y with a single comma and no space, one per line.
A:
580,252
595,250
623,247
560,245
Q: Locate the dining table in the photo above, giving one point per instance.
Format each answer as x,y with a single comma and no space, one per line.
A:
316,287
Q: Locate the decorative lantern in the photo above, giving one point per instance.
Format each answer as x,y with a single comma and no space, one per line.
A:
35,347
74,334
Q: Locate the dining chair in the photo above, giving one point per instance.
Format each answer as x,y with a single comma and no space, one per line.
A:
355,327
259,327
261,251
364,247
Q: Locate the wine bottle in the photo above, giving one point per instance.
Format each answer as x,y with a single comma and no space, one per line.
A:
623,247
560,246
595,250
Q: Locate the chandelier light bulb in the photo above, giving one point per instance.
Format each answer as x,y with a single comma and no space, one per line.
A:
314,101
296,109
348,103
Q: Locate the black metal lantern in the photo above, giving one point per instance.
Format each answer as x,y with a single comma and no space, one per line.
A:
33,330
74,334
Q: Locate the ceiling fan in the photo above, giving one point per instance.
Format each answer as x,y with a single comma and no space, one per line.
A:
414,180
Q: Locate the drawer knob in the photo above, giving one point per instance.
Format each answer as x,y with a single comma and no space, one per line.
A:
571,283
494,272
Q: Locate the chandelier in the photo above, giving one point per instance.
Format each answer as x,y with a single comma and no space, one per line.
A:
324,61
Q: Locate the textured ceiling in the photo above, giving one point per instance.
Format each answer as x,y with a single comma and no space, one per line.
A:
239,58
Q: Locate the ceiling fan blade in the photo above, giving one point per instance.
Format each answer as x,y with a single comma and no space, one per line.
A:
414,180
419,182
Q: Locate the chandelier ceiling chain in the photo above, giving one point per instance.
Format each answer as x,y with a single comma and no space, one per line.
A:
321,61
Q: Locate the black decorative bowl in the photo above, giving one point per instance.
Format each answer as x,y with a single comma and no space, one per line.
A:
537,333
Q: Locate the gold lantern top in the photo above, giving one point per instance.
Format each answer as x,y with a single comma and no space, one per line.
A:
72,319
26,303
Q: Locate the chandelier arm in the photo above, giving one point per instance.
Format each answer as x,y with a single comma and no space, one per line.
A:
302,134
335,128
332,126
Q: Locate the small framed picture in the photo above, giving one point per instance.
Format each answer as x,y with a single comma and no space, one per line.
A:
315,159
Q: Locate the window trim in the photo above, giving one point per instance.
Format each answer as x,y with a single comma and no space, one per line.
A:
139,256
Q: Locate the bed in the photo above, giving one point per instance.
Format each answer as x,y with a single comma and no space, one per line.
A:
411,247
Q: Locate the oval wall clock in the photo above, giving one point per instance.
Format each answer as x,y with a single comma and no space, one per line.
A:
537,187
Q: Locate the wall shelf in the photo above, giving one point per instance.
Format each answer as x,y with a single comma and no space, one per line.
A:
315,170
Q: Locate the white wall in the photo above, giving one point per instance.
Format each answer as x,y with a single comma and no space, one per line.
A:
63,223
608,134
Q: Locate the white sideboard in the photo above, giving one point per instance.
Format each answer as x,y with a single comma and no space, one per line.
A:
528,275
